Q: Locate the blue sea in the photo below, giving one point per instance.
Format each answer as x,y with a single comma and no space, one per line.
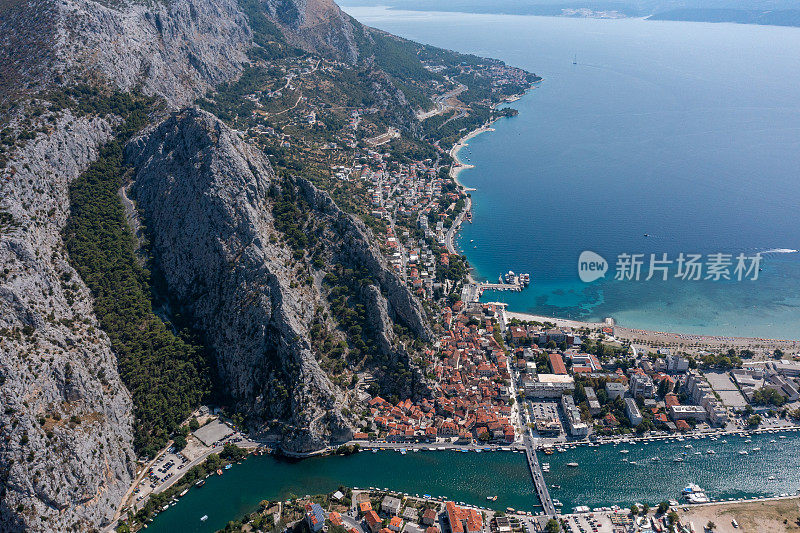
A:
664,138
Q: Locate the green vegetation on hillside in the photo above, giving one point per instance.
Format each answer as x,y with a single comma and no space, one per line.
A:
166,373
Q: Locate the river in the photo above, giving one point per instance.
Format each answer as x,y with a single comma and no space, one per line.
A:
602,478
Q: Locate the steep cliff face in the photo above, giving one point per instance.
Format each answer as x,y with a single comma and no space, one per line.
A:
176,49
66,456
65,428
318,24
206,196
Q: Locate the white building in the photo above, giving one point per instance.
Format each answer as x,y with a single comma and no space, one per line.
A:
632,411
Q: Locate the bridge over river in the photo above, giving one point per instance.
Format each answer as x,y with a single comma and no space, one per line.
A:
538,477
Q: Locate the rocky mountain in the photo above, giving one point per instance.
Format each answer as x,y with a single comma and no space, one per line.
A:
65,456
206,196
208,200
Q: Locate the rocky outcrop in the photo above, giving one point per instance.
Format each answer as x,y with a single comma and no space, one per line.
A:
204,194
177,49
66,456
65,424
317,25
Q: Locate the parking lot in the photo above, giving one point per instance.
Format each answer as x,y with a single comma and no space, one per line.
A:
589,523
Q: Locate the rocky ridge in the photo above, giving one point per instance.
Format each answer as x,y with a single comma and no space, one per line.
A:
66,453
204,194
66,458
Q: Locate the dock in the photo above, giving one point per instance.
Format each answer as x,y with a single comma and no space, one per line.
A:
500,287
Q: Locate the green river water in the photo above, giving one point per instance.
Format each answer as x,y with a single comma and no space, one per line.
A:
602,477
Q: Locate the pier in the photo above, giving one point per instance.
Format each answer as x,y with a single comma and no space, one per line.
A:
538,477
500,287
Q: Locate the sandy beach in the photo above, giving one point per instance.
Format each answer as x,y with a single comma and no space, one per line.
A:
456,169
686,342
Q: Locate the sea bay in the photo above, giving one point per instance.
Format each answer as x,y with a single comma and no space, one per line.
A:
665,137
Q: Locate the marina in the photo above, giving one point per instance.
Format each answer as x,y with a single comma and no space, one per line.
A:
600,480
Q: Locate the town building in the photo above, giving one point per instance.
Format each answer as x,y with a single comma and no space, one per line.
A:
390,505
632,412
549,386
641,386
594,403
463,520
315,517
577,428
615,389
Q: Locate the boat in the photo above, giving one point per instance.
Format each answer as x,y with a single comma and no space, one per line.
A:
573,465
710,452
374,451
204,518
183,493
219,471
695,494
492,498
742,452
756,449
678,460
228,467
624,451
200,483
771,478
575,59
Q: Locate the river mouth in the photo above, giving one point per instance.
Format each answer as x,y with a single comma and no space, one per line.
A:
604,476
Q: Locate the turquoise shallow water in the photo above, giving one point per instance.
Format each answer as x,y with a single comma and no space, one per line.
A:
687,132
601,479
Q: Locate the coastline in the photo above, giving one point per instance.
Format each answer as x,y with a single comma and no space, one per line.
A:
684,341
687,342
463,142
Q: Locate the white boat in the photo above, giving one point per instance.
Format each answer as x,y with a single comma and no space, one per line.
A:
742,452
624,451
756,449
710,452
771,478
204,518
573,465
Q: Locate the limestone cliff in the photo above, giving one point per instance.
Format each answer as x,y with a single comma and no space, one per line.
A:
205,195
66,454
65,428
